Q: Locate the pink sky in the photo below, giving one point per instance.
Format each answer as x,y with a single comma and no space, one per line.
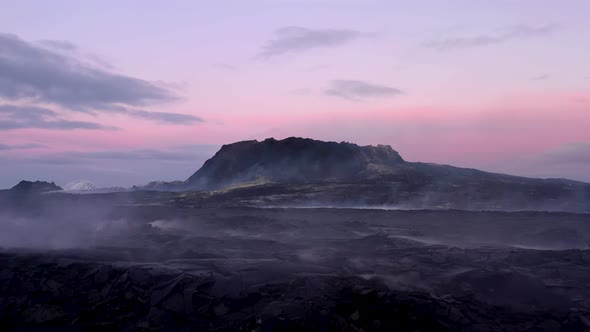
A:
503,88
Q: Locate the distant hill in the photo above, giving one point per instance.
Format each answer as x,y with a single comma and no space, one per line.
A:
37,187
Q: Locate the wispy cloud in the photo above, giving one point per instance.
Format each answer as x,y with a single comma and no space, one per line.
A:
22,117
541,77
59,44
166,117
510,33
176,154
299,39
225,66
5,147
355,90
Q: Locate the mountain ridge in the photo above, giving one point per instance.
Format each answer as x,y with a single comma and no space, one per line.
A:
293,159
297,171
303,172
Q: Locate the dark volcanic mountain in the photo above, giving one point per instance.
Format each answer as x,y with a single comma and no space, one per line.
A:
293,160
26,192
298,171
37,187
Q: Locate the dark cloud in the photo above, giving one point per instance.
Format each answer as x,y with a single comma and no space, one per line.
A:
353,90
4,147
41,73
298,39
541,77
22,117
504,35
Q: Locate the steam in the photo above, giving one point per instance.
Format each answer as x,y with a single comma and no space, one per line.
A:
58,233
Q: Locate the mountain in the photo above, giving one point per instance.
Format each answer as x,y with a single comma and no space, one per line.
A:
293,160
37,187
300,171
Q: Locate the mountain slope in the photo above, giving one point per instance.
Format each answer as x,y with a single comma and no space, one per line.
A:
298,171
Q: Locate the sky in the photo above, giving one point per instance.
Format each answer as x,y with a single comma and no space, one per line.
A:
122,93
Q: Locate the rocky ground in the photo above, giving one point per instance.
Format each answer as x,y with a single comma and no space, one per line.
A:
155,267
41,294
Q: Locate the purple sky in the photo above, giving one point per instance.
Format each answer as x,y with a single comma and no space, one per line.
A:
126,92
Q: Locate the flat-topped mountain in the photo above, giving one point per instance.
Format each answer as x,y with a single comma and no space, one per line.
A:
299,171
293,160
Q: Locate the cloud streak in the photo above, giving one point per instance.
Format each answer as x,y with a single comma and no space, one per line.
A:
5,147
355,90
225,66
299,39
177,154
165,117
59,44
23,117
541,77
511,33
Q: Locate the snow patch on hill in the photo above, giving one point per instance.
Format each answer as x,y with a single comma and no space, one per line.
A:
80,186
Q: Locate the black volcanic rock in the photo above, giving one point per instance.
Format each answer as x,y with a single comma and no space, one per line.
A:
37,187
293,160
298,171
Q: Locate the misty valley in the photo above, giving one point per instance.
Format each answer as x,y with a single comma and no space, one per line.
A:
299,235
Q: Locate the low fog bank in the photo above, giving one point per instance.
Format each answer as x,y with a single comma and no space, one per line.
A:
57,226
59,232
386,198
434,251
548,196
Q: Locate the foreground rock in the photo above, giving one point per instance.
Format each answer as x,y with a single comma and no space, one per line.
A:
41,294
181,268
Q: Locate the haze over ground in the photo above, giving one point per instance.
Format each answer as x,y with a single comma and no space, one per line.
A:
126,93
